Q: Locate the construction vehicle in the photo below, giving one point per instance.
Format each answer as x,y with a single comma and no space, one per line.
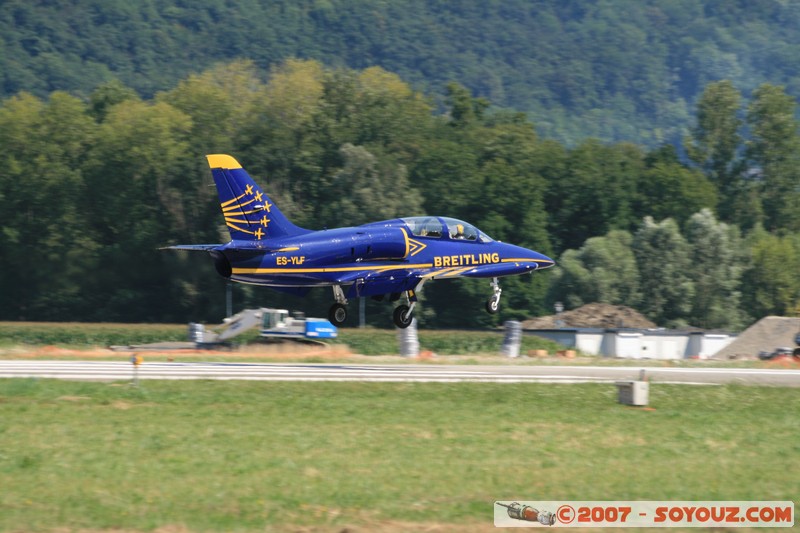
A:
273,323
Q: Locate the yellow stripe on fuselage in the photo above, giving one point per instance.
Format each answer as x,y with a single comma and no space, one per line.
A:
408,244
437,273
524,260
377,268
443,272
457,272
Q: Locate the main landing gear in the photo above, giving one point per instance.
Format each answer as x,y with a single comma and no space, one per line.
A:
337,314
493,303
402,315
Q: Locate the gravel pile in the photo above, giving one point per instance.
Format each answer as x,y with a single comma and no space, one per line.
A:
594,315
763,336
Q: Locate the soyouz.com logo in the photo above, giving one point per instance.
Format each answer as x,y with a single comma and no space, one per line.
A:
516,513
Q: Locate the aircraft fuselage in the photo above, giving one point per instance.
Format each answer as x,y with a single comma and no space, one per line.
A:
374,256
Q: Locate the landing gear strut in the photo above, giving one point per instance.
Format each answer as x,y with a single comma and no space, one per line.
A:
338,311
493,303
403,314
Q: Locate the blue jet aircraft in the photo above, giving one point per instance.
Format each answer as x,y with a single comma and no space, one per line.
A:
379,259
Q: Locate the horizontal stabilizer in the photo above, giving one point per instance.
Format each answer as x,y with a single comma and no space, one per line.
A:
192,247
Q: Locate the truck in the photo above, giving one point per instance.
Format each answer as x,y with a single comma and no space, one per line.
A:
273,323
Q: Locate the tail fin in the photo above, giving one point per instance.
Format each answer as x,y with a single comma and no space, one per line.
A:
249,213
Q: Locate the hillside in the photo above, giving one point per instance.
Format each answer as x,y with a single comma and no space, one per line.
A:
612,69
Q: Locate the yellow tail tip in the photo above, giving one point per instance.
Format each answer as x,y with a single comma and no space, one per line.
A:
222,161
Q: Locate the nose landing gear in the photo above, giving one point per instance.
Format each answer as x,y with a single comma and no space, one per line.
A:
493,303
403,314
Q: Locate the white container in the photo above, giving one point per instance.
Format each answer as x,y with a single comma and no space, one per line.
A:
633,392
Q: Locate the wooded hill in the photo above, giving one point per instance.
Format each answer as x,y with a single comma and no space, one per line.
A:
616,70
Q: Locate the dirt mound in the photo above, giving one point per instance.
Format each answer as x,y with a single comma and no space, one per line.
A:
763,336
594,315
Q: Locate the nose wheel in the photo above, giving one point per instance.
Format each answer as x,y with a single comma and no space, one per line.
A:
493,303
402,316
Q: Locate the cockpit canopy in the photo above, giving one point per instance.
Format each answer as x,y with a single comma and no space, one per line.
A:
437,227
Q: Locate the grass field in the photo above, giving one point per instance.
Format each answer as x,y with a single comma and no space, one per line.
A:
369,341
243,456
42,340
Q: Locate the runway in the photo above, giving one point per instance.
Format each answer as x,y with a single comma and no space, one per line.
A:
438,373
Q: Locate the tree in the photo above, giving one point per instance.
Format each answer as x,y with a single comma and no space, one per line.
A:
603,270
142,186
717,263
47,252
364,191
770,285
464,109
597,192
107,95
715,141
220,102
668,188
448,165
775,149
663,260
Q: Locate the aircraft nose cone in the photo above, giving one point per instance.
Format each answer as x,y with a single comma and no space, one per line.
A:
543,260
534,259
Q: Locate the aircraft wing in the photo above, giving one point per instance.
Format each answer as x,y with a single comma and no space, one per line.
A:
378,283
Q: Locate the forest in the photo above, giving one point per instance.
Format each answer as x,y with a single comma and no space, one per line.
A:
614,70
92,186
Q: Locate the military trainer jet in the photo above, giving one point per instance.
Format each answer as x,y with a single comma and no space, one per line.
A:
388,258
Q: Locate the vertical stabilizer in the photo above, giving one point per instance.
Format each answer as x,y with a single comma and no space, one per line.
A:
249,213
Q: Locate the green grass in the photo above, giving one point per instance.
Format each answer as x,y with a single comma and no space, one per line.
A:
367,341
241,456
371,341
76,334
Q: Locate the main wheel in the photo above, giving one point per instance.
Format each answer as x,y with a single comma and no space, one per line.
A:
402,316
337,314
492,305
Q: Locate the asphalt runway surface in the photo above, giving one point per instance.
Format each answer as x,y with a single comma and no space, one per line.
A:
117,371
